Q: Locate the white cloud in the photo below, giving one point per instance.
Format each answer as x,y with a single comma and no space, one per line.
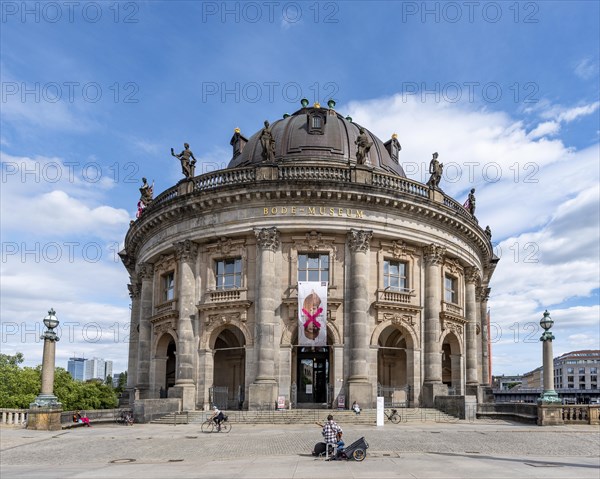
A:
586,68
546,128
573,113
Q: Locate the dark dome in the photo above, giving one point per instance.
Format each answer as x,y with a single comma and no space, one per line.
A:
300,137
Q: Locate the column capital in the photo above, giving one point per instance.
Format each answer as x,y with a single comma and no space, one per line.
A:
482,294
267,238
134,290
186,250
472,275
145,271
434,254
358,240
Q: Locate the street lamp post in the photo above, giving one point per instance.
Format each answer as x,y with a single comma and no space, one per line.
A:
549,404
549,396
46,398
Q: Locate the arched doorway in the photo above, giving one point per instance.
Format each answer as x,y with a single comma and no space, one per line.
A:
393,377
452,364
229,368
165,364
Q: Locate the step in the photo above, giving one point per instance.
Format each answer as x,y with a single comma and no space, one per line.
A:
307,416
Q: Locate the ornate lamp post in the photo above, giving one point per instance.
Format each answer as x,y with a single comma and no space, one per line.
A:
549,396
46,398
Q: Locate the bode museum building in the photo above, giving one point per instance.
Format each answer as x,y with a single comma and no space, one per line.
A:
312,271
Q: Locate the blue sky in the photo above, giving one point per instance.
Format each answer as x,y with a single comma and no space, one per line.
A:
95,95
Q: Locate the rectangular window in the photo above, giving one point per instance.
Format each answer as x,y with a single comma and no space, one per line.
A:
581,370
450,294
593,370
229,273
394,275
313,267
570,370
168,286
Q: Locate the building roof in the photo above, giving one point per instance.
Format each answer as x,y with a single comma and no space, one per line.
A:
296,140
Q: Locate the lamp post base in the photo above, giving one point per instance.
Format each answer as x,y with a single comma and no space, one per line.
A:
48,401
549,397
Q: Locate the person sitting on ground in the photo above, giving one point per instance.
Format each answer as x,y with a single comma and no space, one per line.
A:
356,407
217,417
77,417
333,434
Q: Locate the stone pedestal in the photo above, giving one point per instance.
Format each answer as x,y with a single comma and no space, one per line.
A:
550,415
472,390
430,391
485,394
362,174
361,392
186,393
261,395
44,419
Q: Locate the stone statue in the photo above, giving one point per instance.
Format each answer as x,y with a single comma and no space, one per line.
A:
488,232
187,165
268,144
363,145
435,168
146,193
396,147
470,203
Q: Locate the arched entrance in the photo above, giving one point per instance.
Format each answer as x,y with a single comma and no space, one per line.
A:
452,364
165,364
395,375
229,368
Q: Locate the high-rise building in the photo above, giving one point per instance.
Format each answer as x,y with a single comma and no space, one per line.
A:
77,368
97,368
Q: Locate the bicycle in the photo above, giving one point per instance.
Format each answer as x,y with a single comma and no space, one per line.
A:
209,426
393,417
125,418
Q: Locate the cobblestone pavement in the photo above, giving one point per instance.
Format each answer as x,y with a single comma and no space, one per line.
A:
459,449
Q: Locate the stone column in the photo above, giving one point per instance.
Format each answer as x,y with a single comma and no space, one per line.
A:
264,388
433,256
359,388
186,253
146,273
338,373
135,289
484,294
471,278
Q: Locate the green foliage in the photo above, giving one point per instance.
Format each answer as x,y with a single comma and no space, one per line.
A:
122,382
20,386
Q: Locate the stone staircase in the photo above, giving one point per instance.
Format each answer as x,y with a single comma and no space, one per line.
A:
307,416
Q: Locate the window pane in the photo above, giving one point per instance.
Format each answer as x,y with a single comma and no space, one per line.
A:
313,275
325,261
220,267
325,275
386,267
313,262
394,269
301,261
238,265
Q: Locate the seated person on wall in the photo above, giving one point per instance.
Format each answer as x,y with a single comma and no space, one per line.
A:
78,418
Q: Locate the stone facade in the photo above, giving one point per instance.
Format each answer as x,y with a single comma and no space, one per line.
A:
196,327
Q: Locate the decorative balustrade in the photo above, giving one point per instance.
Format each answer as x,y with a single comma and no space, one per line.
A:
307,172
15,417
576,414
456,206
313,172
220,178
166,307
402,185
395,296
226,295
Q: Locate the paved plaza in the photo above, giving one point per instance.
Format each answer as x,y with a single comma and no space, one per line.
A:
490,449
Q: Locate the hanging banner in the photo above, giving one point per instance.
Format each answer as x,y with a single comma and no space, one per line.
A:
312,313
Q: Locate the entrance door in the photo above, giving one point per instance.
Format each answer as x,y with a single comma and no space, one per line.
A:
313,375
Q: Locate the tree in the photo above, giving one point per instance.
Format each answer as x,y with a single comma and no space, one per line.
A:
20,386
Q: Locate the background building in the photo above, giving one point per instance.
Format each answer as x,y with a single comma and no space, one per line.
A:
76,367
216,262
